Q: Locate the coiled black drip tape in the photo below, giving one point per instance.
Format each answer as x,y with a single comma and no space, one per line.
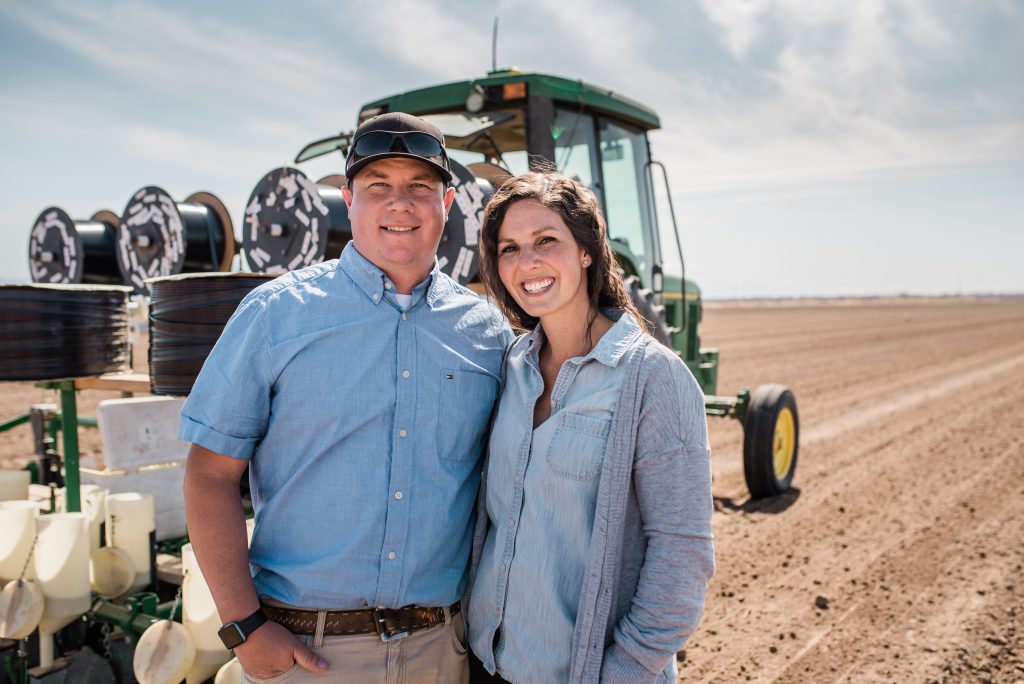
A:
292,222
187,314
50,332
63,250
159,237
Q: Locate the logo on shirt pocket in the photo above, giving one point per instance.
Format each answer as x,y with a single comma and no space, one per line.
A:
577,449
462,412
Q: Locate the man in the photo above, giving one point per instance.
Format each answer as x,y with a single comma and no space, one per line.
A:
357,391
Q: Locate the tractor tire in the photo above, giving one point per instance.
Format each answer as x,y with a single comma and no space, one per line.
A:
643,300
771,439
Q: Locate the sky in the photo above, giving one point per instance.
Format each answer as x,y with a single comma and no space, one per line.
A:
813,148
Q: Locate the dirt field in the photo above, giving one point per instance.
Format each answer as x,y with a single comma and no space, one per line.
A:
899,555
907,516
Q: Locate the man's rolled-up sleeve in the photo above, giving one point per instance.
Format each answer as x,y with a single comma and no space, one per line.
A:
229,405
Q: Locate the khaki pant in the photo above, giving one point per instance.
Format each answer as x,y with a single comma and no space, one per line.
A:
428,656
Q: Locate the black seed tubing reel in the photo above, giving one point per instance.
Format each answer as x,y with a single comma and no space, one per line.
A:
159,236
65,251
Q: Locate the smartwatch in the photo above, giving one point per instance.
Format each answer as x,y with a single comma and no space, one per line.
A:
234,634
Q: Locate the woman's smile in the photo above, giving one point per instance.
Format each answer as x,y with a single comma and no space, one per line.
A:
538,286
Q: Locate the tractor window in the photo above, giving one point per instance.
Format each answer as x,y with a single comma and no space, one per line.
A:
515,162
573,132
497,137
623,158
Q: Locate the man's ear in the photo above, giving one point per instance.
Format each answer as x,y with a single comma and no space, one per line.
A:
449,197
346,193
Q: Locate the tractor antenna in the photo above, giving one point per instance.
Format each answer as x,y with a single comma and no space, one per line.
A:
494,46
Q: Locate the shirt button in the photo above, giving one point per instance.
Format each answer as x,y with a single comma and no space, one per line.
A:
406,374
376,296
398,495
392,555
402,433
387,286
405,316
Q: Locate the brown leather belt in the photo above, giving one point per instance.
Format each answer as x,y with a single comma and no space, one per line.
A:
388,623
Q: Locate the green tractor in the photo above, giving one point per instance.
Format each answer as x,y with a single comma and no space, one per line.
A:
497,126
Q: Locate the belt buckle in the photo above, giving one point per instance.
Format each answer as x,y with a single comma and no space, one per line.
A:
382,628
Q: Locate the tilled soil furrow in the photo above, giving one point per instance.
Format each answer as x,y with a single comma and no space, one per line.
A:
826,369
867,518
869,642
809,357
903,400
750,332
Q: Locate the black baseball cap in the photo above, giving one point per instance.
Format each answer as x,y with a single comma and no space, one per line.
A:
397,134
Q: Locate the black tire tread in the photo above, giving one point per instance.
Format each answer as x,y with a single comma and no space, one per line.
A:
643,300
758,435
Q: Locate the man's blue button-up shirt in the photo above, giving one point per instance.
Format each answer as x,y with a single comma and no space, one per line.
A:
364,425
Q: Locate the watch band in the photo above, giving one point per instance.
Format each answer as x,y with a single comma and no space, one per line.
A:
234,634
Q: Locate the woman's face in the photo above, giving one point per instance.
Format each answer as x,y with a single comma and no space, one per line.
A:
540,263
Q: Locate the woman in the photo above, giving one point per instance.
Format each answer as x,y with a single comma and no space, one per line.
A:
593,548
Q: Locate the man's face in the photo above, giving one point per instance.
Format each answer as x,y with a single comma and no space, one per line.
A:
398,207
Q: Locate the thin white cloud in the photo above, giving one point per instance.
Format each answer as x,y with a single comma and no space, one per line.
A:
205,156
423,36
574,32
740,22
163,50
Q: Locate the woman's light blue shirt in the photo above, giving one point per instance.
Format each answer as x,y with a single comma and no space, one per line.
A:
541,502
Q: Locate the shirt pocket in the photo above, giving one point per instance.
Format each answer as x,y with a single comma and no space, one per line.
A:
467,398
577,448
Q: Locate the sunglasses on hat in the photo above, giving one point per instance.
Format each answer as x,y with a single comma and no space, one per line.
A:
414,142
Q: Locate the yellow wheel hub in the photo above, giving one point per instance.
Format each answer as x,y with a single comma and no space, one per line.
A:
783,443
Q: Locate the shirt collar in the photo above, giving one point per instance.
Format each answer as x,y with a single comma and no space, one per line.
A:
371,279
609,349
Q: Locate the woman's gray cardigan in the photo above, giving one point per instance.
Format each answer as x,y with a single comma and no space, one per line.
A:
651,553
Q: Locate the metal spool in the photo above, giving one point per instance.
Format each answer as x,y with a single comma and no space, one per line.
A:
291,222
67,251
187,314
49,332
160,237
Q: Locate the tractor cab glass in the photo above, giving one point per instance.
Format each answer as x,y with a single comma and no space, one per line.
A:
490,144
573,133
623,158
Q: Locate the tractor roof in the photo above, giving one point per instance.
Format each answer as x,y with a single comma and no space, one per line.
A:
448,96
